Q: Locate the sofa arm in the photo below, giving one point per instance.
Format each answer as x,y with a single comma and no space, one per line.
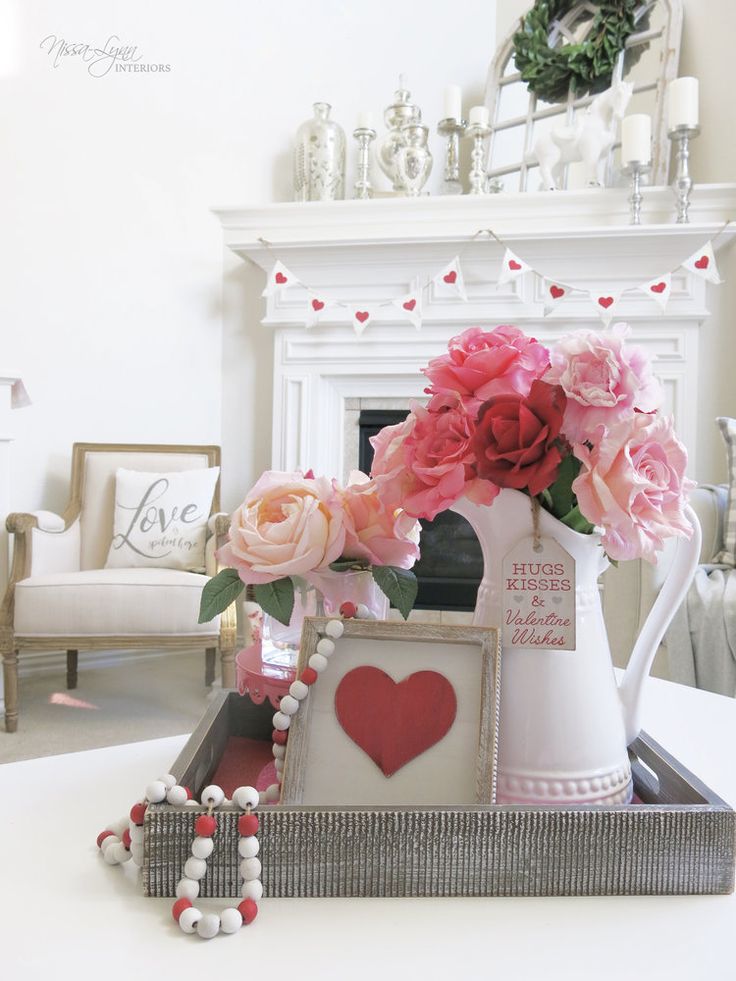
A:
43,544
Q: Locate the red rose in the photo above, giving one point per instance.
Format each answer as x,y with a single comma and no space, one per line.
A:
514,441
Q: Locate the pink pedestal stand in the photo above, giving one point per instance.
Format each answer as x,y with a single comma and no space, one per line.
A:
261,681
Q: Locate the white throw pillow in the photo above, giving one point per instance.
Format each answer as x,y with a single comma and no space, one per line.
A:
161,519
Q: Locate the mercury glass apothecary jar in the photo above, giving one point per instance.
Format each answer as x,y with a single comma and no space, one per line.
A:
319,158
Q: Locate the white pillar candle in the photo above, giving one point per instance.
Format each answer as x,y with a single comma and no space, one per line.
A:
682,98
453,102
636,139
479,116
365,120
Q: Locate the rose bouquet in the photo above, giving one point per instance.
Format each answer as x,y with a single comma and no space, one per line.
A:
294,529
576,426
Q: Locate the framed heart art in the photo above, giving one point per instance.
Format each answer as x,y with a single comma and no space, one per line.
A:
402,714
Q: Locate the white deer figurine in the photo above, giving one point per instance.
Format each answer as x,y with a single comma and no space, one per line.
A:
588,140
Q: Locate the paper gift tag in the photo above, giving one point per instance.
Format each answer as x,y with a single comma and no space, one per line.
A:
538,596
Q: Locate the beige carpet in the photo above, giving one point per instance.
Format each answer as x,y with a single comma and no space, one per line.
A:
126,701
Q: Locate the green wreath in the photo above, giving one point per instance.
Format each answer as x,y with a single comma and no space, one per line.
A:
588,66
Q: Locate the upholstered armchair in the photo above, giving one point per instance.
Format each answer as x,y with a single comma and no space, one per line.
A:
61,596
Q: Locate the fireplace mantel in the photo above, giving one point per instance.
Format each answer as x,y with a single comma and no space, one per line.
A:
371,251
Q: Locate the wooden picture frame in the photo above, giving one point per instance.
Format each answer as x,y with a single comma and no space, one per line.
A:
324,765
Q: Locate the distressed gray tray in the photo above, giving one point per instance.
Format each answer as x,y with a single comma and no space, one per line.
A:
682,841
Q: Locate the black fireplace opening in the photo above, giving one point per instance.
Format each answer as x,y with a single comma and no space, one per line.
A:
451,566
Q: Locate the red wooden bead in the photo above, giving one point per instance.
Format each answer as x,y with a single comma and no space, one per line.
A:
247,825
101,837
309,676
138,812
248,910
179,906
189,793
126,838
205,825
348,610
279,736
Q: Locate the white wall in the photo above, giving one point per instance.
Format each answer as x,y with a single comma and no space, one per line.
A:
111,291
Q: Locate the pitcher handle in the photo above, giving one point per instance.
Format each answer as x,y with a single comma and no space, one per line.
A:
670,596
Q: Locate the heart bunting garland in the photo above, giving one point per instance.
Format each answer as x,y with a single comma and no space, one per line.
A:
658,289
604,302
449,281
279,278
703,263
360,317
511,268
553,293
410,306
317,306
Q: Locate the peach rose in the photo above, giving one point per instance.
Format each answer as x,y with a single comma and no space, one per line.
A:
379,534
632,484
288,525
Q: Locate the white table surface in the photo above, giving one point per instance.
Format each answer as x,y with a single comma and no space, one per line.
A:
64,913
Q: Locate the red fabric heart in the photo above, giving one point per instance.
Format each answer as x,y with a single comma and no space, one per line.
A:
362,315
658,287
702,262
556,292
394,723
513,264
410,304
317,304
450,277
605,301
280,278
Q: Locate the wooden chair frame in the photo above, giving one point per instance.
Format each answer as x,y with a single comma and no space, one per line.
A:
21,525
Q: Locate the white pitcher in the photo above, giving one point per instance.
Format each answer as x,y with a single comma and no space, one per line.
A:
564,722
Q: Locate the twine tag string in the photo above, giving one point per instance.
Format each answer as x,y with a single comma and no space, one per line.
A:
536,536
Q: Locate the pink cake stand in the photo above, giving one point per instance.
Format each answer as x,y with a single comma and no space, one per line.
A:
259,680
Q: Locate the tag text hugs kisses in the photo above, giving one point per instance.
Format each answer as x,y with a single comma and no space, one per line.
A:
540,626
552,577
147,517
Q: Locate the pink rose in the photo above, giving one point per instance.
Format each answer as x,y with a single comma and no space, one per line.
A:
633,485
604,380
481,364
379,534
288,525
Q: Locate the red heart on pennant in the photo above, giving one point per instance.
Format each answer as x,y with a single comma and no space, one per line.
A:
513,264
394,723
409,305
450,277
362,315
605,301
280,278
317,304
658,287
556,292
702,262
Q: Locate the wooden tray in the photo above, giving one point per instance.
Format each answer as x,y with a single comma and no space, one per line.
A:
681,839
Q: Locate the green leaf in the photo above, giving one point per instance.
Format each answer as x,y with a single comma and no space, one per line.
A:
578,522
218,594
346,565
562,497
400,585
276,598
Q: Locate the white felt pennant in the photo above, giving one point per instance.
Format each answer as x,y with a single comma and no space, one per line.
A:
410,305
451,279
658,289
279,278
512,267
554,293
360,317
316,307
605,303
703,263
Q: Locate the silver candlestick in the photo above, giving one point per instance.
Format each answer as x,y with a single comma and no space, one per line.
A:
636,170
453,129
364,136
682,185
477,132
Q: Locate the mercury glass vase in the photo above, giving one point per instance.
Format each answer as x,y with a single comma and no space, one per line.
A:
319,158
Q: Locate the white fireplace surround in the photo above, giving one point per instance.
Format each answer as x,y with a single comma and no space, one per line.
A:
371,251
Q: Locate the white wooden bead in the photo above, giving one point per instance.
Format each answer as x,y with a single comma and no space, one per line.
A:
202,847
326,647
231,920
195,868
363,613
318,662
176,795
187,889
137,834
209,926
334,629
281,720
136,853
189,919
192,803
289,705
279,752
119,827
156,792
273,793
246,796
122,854
298,690
279,764
250,868
108,843
253,889
248,847
169,780
111,854
213,795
